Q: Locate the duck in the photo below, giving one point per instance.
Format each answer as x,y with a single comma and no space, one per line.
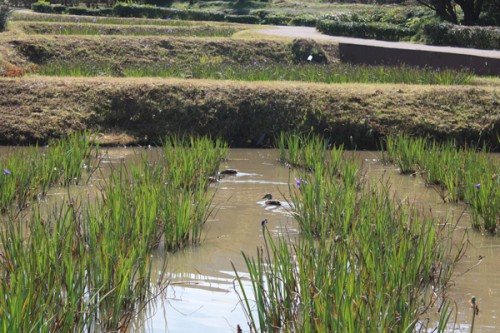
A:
228,172
270,201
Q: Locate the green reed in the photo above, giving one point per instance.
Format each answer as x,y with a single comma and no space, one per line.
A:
86,266
305,151
464,174
28,173
217,70
362,263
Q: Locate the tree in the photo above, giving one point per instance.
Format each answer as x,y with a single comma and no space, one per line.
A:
446,9
5,12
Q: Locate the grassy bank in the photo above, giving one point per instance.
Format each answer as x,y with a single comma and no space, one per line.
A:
125,51
245,114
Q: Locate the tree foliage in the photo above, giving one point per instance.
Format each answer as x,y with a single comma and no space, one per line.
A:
471,9
5,11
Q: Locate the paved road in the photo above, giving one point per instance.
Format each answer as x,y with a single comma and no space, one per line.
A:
307,32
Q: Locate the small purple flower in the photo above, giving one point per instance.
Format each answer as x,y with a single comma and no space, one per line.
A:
7,172
167,18
300,181
255,63
61,27
170,31
84,138
94,20
478,186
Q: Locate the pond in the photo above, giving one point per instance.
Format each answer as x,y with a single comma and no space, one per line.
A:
202,296
202,293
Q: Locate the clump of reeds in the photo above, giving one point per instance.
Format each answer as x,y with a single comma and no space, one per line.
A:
458,174
87,266
362,263
29,172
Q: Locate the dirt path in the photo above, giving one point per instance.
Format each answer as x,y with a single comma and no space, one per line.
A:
306,32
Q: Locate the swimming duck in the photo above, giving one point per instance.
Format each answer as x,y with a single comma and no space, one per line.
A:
228,172
270,201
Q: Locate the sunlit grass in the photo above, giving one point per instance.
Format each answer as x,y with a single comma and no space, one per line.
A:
91,29
267,71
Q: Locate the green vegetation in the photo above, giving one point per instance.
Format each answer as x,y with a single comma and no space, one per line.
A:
362,262
267,71
5,12
30,172
86,263
403,22
457,174
143,30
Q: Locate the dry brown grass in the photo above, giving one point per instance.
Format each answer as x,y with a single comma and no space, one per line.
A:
36,108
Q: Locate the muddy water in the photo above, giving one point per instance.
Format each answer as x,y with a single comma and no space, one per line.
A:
202,296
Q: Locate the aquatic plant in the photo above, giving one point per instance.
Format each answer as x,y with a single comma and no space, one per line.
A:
30,172
458,174
86,265
368,271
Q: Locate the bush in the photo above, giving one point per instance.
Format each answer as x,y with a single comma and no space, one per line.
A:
132,10
196,15
303,21
45,7
463,36
303,48
374,30
89,12
249,19
277,20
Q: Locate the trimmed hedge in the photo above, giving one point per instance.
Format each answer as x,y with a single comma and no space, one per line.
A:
303,21
248,19
48,9
89,12
133,10
373,30
464,36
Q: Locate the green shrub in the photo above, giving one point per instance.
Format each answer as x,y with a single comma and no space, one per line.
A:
303,21
277,20
303,48
197,15
45,7
463,36
374,30
133,10
89,12
249,19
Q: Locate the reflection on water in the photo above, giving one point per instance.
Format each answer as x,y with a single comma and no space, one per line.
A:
202,296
